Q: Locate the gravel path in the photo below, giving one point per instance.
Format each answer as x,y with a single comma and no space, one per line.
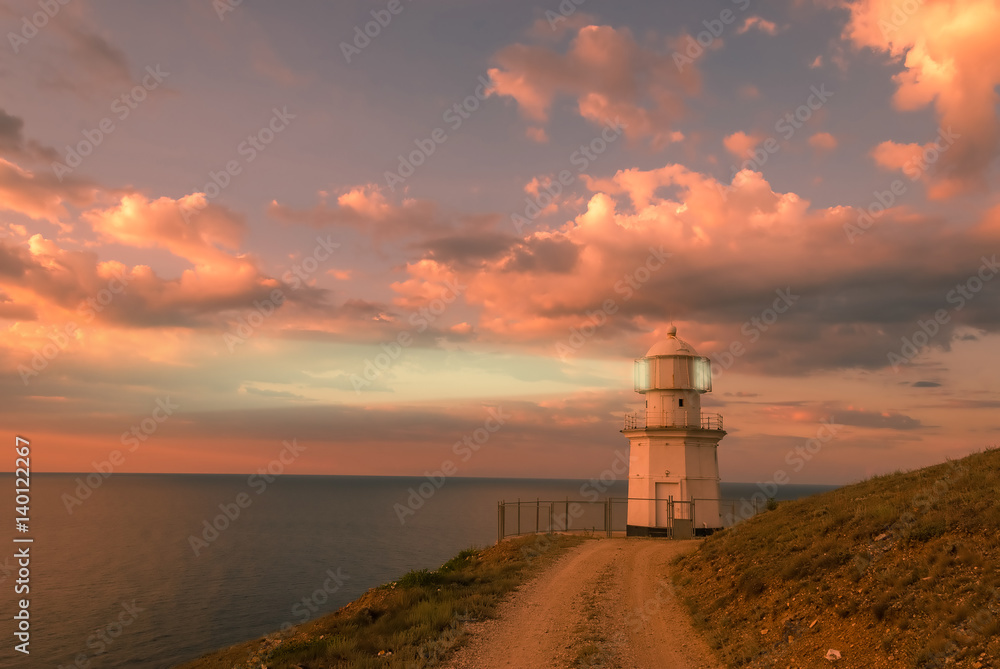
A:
606,603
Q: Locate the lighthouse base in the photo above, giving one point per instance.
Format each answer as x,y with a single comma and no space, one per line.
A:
640,531
682,530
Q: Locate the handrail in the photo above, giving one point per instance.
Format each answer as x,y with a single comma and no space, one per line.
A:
635,420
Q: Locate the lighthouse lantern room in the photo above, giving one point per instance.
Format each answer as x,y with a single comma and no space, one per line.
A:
673,484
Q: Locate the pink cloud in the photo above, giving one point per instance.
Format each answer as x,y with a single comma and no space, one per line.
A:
740,143
758,23
537,134
365,208
40,195
732,246
823,141
611,77
951,59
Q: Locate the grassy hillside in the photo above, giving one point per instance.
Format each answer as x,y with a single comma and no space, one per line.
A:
901,570
415,621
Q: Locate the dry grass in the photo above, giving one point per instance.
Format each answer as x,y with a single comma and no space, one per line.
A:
416,621
901,570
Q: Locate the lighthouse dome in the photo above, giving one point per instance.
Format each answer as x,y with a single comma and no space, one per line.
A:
672,345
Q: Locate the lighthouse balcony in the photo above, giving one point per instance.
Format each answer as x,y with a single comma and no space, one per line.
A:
636,420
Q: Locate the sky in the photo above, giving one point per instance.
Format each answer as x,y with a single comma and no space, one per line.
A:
387,230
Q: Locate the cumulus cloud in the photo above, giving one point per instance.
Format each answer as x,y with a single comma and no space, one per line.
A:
611,77
740,143
951,60
735,249
40,195
14,145
823,141
758,23
366,208
840,415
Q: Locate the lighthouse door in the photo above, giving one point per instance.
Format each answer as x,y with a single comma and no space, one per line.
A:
664,491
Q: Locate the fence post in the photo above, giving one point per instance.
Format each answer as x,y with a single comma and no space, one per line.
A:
551,516
518,516
670,514
567,514
538,508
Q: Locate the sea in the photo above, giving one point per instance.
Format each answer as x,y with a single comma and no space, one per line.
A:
138,574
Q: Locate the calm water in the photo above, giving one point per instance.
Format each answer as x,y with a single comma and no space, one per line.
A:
117,583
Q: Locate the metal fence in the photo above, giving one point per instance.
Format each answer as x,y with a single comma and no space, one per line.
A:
680,418
609,515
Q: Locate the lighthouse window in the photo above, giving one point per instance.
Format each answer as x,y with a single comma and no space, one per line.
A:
642,378
680,403
702,374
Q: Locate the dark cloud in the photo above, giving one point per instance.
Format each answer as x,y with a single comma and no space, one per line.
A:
887,420
367,210
469,249
273,393
14,260
926,384
13,145
557,256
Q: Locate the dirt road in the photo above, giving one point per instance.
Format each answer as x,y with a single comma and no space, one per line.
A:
607,603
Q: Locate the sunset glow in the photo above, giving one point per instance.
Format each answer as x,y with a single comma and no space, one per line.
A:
366,244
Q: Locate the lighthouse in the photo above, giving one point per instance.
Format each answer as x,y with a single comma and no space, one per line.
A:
673,479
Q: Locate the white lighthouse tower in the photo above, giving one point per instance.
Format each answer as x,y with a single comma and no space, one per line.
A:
673,479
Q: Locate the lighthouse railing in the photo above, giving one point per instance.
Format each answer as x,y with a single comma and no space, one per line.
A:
609,516
635,420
